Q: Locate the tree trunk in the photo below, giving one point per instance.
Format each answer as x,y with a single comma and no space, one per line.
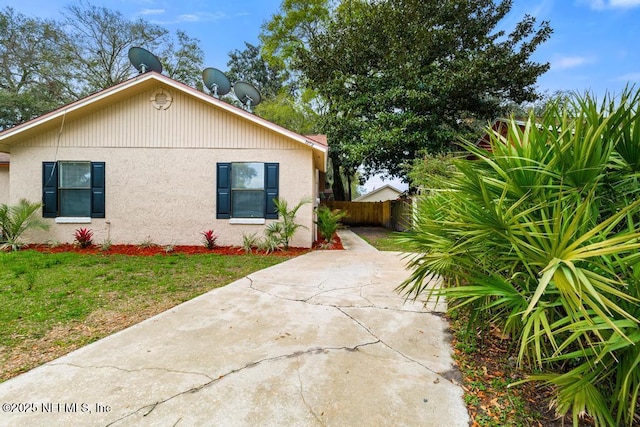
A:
338,185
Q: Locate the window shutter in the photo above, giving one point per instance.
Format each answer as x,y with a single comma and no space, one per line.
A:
49,189
223,192
271,172
97,190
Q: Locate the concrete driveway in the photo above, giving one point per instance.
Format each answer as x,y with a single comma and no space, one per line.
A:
322,339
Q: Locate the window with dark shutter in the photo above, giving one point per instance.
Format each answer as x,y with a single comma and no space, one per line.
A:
49,189
246,190
271,189
97,190
73,189
223,193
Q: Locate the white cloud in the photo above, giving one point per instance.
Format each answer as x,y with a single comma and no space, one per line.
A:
193,18
201,17
188,18
151,12
612,4
542,8
565,62
625,3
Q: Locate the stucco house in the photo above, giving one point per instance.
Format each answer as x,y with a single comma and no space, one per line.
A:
153,160
384,193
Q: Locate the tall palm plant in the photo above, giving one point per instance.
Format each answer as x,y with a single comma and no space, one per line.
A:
541,234
281,232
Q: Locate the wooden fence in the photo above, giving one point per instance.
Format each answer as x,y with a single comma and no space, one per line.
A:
395,215
364,213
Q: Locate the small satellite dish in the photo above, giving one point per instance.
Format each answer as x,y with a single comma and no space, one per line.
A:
247,94
144,60
216,82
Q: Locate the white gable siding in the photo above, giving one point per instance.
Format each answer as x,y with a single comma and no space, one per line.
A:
187,123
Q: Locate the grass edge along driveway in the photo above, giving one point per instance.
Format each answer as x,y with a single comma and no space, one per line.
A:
55,303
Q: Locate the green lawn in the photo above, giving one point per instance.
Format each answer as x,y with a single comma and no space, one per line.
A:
54,303
386,240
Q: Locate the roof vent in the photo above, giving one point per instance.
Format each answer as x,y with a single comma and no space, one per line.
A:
161,100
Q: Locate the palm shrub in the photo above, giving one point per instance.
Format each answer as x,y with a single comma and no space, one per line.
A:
328,221
281,232
15,220
249,241
540,236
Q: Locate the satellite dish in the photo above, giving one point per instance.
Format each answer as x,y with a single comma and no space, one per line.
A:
144,60
247,94
216,82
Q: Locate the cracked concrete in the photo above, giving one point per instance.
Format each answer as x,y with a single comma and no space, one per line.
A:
319,340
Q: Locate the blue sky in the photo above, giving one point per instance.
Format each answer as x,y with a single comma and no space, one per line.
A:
594,46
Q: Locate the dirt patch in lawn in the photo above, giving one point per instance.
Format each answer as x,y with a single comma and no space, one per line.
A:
63,339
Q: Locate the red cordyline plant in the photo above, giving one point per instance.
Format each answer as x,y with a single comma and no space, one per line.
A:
83,237
209,239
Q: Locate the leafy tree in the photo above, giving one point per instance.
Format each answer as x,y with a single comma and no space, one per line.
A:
280,102
249,65
98,40
46,64
285,35
182,59
410,74
33,74
290,30
401,76
432,171
284,110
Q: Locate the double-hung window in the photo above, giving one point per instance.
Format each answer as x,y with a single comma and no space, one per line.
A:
73,189
247,190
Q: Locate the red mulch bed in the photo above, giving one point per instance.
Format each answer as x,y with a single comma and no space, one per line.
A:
138,250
